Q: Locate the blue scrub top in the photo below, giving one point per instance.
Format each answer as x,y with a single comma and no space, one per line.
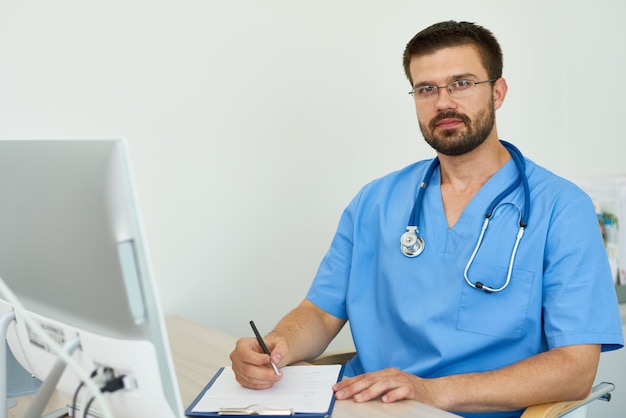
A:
419,314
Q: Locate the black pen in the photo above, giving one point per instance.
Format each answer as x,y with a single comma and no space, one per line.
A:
263,346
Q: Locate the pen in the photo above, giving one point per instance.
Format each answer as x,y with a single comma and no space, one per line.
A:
263,346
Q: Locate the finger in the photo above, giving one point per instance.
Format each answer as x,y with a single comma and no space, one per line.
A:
351,387
254,376
391,384
398,394
346,381
278,349
251,367
373,391
250,351
252,382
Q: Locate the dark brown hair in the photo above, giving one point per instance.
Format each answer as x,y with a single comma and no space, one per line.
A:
451,33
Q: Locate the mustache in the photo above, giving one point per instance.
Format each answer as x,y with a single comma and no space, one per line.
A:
449,114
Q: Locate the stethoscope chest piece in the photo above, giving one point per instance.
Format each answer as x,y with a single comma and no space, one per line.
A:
411,244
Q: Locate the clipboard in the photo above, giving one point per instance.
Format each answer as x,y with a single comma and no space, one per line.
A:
304,391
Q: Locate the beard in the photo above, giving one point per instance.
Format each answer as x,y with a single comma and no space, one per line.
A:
457,141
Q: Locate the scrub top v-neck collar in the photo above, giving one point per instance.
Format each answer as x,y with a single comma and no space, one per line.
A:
446,239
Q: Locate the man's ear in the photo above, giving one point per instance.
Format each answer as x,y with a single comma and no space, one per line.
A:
499,92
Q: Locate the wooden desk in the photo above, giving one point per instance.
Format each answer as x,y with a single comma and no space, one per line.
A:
198,352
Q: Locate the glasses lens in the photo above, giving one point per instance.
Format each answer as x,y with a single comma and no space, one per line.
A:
458,88
461,88
424,93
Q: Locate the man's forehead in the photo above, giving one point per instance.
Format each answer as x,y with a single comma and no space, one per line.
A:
447,64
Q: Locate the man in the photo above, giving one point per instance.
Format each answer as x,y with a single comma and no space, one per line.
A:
482,325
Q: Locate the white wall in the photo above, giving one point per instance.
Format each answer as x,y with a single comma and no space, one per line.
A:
253,123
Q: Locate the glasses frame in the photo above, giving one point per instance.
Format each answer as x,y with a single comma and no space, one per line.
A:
448,87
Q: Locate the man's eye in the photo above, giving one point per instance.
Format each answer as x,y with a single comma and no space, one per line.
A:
426,90
461,84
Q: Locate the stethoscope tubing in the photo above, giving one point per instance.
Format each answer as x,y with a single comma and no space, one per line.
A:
480,285
412,244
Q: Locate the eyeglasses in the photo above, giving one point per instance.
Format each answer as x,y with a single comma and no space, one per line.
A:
458,88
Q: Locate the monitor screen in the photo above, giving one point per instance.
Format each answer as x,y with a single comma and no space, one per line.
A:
73,252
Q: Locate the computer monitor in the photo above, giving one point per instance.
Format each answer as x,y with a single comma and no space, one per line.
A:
72,250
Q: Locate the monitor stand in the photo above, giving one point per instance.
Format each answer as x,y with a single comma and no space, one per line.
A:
44,391
5,403
40,400
19,381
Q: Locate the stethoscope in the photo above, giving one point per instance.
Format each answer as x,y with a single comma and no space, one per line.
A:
412,244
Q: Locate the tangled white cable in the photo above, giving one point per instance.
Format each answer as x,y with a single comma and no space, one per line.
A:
83,376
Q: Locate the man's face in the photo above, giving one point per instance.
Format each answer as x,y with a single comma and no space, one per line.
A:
455,125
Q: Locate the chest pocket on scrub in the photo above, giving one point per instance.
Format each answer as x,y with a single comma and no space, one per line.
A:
501,314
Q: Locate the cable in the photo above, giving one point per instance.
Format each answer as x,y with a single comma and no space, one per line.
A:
113,384
86,410
75,398
98,371
36,328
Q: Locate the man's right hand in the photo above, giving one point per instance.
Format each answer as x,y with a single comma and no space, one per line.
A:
252,366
